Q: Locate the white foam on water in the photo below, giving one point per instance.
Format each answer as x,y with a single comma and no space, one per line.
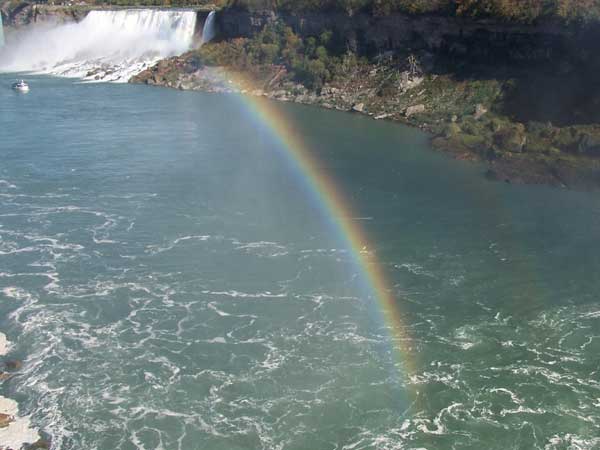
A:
7,184
155,249
415,269
235,294
513,397
572,442
104,46
19,431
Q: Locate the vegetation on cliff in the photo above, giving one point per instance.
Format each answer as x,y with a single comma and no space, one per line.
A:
526,102
512,10
473,112
312,61
524,11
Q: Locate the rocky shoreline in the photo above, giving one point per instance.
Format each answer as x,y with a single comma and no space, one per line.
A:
520,97
458,114
16,431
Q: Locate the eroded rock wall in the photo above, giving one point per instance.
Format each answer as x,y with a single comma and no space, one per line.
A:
478,40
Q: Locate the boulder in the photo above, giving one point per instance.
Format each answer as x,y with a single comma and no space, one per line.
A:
588,144
409,81
41,444
13,365
5,420
4,376
512,139
415,109
358,107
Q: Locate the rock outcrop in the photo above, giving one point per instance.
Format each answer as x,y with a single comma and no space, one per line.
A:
26,13
5,420
484,40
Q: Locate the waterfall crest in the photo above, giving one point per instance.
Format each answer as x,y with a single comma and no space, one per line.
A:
208,31
104,46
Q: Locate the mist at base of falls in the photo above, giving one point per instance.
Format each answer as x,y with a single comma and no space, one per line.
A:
105,46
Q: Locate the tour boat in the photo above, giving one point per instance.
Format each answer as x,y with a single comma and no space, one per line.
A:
21,86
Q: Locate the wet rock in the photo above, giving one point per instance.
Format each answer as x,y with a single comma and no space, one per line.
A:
358,107
42,444
5,420
415,109
4,376
13,365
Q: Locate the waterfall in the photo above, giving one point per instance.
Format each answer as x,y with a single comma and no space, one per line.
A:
208,31
104,46
1,32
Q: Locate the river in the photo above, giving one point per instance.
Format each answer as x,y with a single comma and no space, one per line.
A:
170,284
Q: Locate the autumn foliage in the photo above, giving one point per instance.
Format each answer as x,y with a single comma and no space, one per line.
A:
511,10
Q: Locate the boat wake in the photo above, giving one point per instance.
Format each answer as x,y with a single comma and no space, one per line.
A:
105,46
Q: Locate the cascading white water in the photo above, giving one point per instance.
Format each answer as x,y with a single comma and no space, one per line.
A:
106,45
208,31
1,32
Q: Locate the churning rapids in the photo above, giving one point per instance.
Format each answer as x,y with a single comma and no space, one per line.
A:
169,284
104,46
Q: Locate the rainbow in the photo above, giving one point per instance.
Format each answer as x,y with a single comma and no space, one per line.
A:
338,211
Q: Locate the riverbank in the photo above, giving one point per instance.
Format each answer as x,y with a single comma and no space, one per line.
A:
519,95
16,432
463,115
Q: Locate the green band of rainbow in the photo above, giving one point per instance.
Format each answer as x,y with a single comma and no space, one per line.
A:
339,212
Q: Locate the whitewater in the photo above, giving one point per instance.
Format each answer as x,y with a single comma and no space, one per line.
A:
168,283
105,46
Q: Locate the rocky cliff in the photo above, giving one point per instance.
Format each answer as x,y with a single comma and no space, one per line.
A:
523,98
25,13
484,40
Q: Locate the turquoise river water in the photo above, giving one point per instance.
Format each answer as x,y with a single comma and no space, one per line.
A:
169,284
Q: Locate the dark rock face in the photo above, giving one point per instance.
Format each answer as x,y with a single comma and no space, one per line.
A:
42,444
589,145
4,376
13,365
26,13
482,41
5,420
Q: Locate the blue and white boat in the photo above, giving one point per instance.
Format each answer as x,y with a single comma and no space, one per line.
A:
21,86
